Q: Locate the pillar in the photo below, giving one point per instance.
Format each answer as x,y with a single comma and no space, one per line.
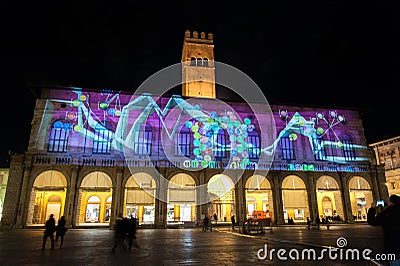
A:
312,198
70,208
348,215
117,196
277,193
24,197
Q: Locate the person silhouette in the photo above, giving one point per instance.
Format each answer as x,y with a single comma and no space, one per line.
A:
120,232
233,220
389,219
131,231
50,227
61,230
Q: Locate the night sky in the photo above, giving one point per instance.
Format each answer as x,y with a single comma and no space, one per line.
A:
341,54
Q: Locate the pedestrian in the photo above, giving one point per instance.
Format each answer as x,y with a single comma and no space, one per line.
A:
215,217
131,231
327,223
389,219
120,232
50,227
308,223
317,221
233,220
206,223
61,230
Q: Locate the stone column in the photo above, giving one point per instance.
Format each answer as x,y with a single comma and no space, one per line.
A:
240,200
70,208
161,219
201,196
312,198
277,192
24,196
117,196
348,215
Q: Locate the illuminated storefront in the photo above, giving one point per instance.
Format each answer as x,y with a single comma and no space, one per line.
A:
259,198
295,199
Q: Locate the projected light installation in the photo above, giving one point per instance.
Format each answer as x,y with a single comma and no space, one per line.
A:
85,118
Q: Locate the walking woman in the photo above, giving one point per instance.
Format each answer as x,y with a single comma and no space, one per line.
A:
61,230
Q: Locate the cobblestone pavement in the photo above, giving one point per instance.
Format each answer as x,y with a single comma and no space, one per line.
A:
187,246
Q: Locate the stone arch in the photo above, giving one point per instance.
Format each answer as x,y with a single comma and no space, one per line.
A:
221,196
181,199
360,197
96,183
295,198
328,187
46,188
258,193
140,194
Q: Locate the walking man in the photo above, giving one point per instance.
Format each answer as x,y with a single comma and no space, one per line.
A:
50,226
233,222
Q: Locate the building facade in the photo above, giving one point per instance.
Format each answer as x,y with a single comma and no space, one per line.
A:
387,153
94,155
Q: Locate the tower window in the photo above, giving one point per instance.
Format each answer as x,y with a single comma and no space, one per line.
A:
205,62
193,61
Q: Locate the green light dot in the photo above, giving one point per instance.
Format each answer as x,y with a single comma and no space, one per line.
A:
196,142
239,148
103,106
293,136
247,121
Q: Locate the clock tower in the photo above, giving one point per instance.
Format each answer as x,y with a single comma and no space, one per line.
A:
198,72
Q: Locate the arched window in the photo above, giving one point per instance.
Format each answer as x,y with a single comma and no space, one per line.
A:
143,138
193,61
183,142
58,139
286,147
254,145
205,62
348,149
219,145
199,62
